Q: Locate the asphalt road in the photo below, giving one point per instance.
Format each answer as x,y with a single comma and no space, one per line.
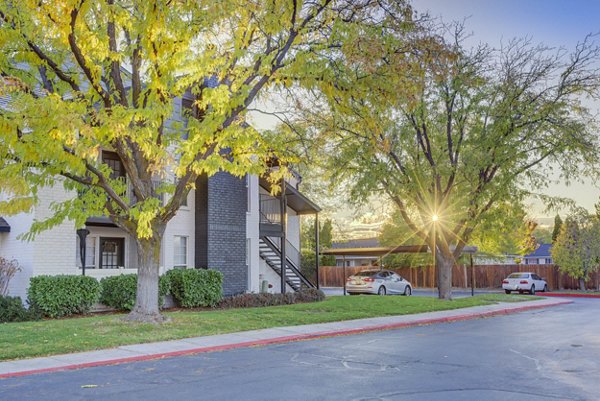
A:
548,354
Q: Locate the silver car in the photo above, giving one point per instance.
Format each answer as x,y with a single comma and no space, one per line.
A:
379,282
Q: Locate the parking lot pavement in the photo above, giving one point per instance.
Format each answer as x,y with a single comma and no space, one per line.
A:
536,355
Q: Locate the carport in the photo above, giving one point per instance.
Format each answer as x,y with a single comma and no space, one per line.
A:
380,252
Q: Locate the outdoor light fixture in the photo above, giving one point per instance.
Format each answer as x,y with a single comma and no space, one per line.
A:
82,233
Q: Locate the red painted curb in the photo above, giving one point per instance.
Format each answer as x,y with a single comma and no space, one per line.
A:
284,339
568,295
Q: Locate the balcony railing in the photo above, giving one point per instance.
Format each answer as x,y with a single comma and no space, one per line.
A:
270,209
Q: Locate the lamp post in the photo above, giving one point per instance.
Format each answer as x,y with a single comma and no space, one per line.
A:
82,233
434,220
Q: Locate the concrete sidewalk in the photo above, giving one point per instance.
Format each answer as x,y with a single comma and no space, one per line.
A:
141,352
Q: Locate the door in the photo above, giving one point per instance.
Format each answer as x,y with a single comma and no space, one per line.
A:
112,252
396,283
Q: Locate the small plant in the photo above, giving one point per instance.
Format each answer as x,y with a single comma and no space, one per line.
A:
265,299
63,295
8,268
192,288
12,310
119,291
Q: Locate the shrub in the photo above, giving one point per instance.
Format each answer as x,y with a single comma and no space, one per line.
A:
192,288
57,296
119,291
260,300
8,268
12,310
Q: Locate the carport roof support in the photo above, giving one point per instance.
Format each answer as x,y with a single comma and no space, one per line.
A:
383,251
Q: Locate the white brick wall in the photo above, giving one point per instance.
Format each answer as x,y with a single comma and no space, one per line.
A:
54,250
12,248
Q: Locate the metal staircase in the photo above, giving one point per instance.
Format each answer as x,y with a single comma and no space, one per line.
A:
270,252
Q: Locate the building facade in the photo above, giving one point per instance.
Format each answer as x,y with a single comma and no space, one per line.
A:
228,224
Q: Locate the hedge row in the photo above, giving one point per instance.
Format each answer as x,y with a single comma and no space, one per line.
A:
266,299
119,291
57,296
12,310
63,295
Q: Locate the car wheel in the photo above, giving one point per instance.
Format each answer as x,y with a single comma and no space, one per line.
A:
546,288
532,289
507,291
407,291
381,290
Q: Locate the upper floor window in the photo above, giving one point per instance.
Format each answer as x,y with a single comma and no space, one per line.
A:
114,162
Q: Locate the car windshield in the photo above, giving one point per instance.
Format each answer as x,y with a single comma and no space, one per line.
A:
519,275
366,273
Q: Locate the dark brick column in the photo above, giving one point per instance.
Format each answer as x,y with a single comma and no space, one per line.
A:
221,229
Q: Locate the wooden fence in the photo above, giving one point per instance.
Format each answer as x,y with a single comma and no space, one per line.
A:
486,276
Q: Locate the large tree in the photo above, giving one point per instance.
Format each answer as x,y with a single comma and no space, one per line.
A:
87,76
448,133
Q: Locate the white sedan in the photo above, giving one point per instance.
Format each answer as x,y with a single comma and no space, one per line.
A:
379,282
521,282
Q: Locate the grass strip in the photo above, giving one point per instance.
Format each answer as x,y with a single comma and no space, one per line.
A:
61,336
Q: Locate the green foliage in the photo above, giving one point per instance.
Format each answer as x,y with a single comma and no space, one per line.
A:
192,288
119,292
576,250
307,243
557,227
63,295
542,235
266,299
12,310
307,234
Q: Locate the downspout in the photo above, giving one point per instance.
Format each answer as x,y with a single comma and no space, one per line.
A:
283,215
317,247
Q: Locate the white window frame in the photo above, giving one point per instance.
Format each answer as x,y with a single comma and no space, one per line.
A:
93,255
185,254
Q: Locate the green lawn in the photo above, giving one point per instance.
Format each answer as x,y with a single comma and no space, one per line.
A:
50,337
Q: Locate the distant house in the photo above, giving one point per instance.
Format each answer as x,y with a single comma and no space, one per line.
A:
541,256
356,260
505,259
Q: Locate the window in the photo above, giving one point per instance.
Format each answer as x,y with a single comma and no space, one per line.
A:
184,201
114,162
112,253
548,261
90,253
180,251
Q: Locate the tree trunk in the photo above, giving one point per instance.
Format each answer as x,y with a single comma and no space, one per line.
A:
444,275
582,284
146,302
